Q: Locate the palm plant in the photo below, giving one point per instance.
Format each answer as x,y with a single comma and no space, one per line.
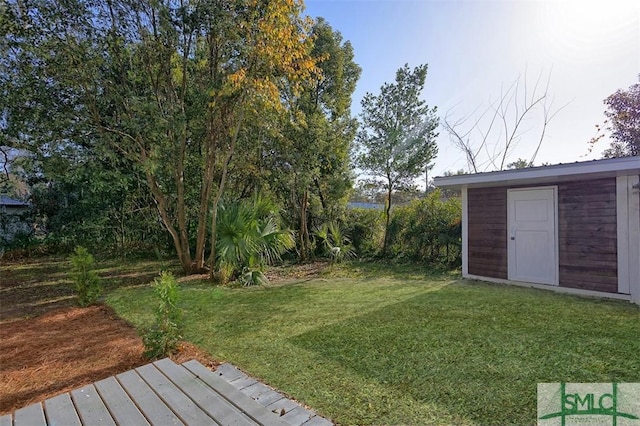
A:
249,237
337,245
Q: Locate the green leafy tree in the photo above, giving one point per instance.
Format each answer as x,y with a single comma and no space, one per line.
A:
169,86
520,163
396,142
623,123
320,131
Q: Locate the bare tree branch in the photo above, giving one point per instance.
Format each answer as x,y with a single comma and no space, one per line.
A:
503,124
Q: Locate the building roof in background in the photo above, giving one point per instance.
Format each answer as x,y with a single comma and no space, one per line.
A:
6,201
364,205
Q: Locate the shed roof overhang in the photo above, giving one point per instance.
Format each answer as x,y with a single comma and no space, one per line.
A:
595,169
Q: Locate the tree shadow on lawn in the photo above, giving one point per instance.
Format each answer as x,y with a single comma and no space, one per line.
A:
391,269
480,349
36,286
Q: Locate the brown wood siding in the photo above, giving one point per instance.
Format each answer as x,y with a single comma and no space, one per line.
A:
487,227
587,233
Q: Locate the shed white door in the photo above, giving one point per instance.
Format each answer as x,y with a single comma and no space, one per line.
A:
532,238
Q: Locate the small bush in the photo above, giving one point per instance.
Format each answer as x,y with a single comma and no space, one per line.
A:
366,228
337,245
87,281
162,339
427,230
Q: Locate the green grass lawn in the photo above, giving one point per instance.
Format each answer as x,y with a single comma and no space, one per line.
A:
380,345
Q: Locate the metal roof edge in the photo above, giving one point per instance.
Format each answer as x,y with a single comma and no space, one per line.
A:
612,166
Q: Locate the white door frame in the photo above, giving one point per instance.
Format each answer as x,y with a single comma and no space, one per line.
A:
556,247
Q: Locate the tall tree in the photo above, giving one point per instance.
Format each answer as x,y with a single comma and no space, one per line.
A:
623,123
396,141
321,129
169,85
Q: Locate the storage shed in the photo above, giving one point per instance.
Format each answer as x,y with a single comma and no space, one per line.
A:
12,219
568,227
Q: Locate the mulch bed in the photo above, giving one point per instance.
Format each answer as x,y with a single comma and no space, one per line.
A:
68,348
48,346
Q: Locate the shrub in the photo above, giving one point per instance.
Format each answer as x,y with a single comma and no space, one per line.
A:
428,229
87,281
162,338
366,228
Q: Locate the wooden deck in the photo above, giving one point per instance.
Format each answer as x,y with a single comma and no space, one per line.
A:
165,393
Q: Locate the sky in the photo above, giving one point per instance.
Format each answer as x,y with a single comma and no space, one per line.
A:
586,49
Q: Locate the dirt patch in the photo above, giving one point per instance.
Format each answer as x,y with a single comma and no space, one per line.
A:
300,271
66,349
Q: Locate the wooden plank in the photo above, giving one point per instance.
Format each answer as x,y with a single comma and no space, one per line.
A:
493,256
572,198
60,411
586,285
247,405
590,274
589,205
584,248
31,415
123,410
480,226
282,407
495,234
596,229
569,257
206,398
268,397
492,264
494,260
568,213
479,194
564,221
6,420
588,262
146,400
244,382
587,277
230,372
317,421
488,210
177,401
298,415
255,390
588,186
90,407
488,273
609,243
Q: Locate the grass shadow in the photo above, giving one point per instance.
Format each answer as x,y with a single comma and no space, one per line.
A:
480,349
36,286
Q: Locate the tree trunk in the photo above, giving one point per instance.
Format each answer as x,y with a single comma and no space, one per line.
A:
205,198
158,197
386,223
221,187
304,231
